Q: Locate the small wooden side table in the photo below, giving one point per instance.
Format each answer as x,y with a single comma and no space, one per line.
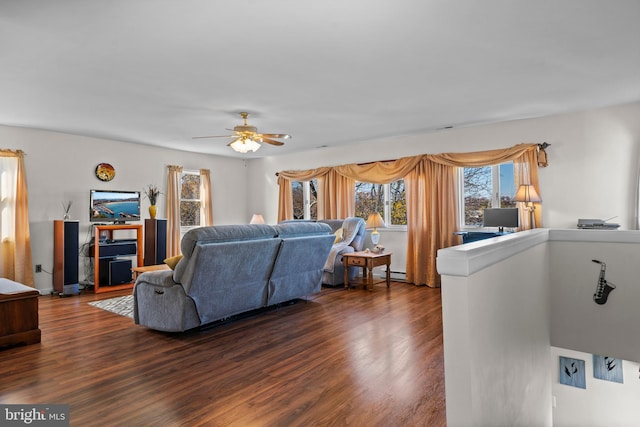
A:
139,270
366,260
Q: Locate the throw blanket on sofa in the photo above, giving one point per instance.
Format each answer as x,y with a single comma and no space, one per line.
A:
349,232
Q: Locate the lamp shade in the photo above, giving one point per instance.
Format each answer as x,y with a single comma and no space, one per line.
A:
527,193
256,219
375,221
244,145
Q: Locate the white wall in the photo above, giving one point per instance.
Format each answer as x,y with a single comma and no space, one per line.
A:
577,322
602,403
591,174
60,167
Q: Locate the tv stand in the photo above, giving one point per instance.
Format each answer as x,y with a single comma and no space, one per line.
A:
105,251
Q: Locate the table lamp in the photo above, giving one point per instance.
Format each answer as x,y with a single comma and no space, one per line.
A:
375,221
528,195
256,219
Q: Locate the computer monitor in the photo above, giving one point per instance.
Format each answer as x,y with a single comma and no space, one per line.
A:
501,218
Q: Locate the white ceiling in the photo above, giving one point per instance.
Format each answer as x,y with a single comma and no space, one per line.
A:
328,72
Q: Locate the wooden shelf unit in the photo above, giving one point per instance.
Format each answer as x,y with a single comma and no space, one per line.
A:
98,229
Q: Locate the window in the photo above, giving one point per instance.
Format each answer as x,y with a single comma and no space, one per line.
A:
305,199
397,202
190,199
387,199
486,187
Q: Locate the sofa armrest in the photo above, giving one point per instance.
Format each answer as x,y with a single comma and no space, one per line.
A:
162,278
346,250
160,303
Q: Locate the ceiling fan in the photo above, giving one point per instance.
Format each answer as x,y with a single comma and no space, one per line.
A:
247,137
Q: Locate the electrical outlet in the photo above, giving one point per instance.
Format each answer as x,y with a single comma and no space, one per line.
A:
38,268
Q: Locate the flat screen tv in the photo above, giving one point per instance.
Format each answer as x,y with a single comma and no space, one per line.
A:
501,218
114,206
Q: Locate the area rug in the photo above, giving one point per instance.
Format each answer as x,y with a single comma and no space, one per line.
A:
118,305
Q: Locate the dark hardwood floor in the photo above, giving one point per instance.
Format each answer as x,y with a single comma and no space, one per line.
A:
351,357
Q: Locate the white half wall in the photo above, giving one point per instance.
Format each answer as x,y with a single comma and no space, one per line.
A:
60,168
496,327
500,296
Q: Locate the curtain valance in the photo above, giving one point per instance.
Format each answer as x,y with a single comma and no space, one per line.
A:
384,172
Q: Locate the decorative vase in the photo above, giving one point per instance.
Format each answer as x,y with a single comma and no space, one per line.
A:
152,211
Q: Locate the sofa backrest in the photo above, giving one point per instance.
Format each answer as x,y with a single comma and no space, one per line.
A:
335,224
231,277
303,252
217,234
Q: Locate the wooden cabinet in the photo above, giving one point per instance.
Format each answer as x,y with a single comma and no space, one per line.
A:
108,253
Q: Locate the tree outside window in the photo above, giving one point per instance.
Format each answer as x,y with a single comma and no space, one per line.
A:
397,203
389,200
487,187
190,199
305,199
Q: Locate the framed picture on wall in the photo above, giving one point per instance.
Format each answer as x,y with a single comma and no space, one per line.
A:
572,372
607,368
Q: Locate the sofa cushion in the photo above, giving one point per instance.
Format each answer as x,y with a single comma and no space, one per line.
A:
173,261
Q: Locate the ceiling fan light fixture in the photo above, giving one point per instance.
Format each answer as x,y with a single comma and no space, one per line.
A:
247,137
244,145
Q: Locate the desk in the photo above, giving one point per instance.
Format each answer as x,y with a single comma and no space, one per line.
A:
366,260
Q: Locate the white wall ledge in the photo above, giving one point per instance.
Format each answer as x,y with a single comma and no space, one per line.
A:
600,236
464,260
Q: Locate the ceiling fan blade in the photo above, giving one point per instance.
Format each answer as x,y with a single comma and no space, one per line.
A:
276,135
213,136
271,141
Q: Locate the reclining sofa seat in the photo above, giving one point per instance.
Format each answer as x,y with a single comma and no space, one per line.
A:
231,269
354,229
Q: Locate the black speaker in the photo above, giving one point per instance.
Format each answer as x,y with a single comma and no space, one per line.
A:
65,257
155,241
115,271
115,249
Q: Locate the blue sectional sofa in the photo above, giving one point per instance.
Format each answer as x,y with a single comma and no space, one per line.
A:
231,269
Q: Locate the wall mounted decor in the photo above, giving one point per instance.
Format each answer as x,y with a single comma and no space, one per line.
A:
607,368
604,287
572,372
105,172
